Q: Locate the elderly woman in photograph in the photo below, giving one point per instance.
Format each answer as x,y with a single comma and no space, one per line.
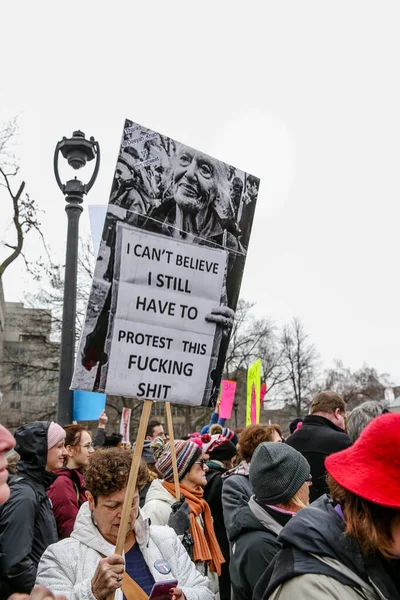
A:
200,207
196,208
346,545
85,566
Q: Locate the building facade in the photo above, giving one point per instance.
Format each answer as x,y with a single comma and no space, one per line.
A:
29,364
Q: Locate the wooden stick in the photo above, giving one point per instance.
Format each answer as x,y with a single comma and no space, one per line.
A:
131,487
173,453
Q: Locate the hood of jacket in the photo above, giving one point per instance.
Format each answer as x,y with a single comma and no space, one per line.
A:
158,492
74,474
318,531
243,468
87,533
32,447
252,518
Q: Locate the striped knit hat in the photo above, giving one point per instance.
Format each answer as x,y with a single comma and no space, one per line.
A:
187,453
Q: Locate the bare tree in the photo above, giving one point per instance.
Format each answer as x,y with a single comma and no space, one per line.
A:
299,365
50,297
23,207
356,386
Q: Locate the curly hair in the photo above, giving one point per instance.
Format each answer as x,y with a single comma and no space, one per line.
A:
367,523
252,436
108,472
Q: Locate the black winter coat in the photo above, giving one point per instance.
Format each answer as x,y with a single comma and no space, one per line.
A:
313,543
27,524
315,440
253,535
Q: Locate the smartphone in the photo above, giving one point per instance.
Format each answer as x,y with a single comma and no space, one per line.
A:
161,589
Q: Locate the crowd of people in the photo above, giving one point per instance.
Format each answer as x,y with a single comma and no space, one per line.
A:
256,516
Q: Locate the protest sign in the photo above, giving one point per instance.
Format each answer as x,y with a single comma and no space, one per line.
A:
88,405
124,427
168,273
227,397
97,215
253,393
263,392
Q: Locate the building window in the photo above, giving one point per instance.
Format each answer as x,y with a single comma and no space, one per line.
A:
32,338
16,387
16,405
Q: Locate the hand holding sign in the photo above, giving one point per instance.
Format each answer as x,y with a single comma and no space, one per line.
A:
222,315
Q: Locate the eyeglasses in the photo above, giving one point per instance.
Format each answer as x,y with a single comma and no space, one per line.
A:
87,446
201,462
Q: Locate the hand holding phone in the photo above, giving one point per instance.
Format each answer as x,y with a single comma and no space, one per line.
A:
161,590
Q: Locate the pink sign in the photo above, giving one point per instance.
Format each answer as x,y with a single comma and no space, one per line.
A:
253,410
228,389
263,392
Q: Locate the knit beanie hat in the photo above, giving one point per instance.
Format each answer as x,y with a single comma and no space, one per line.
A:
187,453
147,453
230,435
223,449
55,434
277,472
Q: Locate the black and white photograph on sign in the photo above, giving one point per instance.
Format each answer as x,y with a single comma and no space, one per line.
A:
168,273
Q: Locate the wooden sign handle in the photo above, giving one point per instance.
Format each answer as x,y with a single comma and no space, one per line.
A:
173,453
130,490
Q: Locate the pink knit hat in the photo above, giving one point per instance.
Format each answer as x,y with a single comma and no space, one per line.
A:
55,434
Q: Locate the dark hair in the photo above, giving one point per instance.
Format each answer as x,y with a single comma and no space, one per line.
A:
251,180
327,402
153,423
368,523
74,433
112,440
252,436
108,472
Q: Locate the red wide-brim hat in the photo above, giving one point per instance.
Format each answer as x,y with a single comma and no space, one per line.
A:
371,467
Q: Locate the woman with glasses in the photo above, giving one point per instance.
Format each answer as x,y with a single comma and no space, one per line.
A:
85,566
67,493
192,469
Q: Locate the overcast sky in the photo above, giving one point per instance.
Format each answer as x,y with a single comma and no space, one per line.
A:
304,95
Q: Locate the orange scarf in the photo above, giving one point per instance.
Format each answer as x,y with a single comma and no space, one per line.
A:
206,547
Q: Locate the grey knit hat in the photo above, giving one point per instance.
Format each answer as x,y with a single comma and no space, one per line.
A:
277,472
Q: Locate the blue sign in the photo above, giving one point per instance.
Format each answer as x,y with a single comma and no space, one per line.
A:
88,405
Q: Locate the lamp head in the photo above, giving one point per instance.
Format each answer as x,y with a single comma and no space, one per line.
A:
77,150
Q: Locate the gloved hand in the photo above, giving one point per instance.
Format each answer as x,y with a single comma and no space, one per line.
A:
179,519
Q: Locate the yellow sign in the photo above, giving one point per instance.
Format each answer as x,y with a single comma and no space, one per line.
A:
253,393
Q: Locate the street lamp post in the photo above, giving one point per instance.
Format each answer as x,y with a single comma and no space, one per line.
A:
77,150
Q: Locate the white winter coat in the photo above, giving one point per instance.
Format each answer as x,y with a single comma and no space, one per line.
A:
68,566
158,509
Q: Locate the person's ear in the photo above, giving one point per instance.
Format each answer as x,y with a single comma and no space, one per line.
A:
70,451
90,500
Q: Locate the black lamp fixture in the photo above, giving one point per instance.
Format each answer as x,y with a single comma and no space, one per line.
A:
77,151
